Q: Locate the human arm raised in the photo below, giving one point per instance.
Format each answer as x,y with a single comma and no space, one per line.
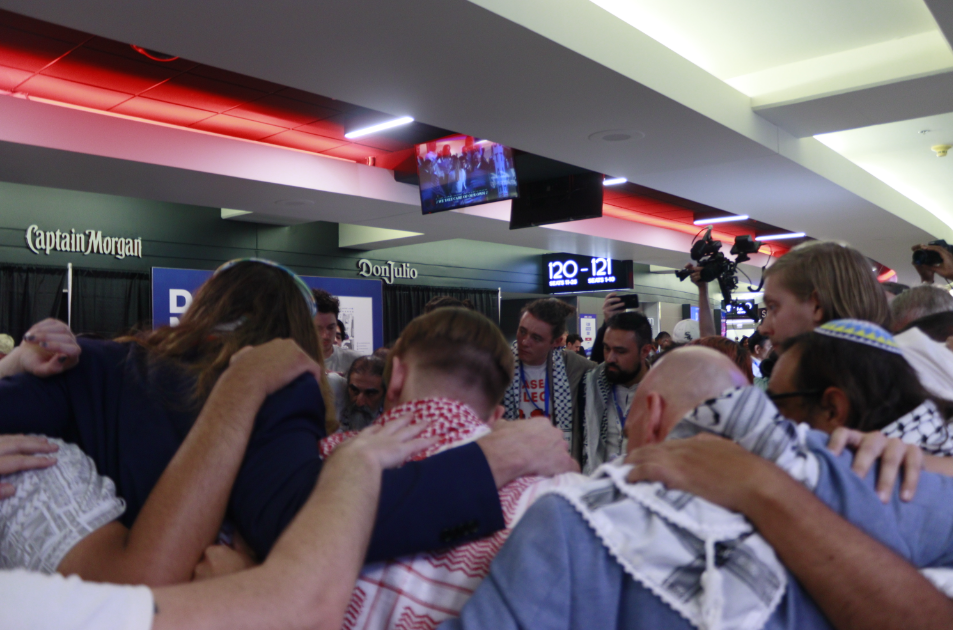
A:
706,319
944,269
843,569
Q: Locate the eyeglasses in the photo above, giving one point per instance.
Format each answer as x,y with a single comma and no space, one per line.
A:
807,394
357,391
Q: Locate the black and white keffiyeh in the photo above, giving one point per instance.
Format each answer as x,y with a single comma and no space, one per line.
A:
562,396
598,413
925,427
705,562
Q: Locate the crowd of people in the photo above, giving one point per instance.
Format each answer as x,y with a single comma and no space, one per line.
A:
246,469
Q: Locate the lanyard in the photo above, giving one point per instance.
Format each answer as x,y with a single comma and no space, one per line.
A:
545,390
617,407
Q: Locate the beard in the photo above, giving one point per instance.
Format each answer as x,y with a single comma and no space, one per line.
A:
357,417
616,375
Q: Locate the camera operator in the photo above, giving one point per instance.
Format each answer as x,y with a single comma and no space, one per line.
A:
706,318
930,265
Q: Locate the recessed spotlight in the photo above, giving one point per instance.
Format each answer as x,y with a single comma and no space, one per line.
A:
780,237
740,217
615,136
294,203
614,181
390,124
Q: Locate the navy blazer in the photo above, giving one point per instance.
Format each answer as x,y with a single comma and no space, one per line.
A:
130,416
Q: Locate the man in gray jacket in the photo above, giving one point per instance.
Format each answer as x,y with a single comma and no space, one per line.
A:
546,379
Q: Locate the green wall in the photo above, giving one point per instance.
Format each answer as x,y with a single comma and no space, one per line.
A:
194,237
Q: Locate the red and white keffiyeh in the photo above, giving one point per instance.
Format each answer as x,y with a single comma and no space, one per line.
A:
419,592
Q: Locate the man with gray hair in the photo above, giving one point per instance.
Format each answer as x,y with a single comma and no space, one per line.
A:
364,400
918,302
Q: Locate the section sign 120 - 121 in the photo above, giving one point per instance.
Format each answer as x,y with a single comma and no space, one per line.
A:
571,273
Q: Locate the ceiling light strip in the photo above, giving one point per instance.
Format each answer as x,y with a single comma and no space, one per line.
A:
740,217
780,237
614,181
397,122
636,217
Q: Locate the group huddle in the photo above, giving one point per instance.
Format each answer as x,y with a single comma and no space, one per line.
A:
215,474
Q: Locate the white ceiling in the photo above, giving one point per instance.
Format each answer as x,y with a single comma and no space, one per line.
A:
550,74
733,38
900,154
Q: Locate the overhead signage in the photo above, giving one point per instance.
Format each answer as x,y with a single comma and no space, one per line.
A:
362,303
85,243
741,309
386,272
570,273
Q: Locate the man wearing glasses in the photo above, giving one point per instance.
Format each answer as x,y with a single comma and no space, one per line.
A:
365,393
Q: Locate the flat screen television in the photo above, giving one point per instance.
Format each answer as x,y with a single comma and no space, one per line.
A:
459,171
554,192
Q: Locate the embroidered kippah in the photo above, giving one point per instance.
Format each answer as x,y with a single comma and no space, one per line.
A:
859,331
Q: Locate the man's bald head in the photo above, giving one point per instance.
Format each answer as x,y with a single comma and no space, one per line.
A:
681,381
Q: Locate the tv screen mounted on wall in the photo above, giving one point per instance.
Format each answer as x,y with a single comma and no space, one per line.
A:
459,171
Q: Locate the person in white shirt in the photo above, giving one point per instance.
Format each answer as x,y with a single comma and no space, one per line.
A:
336,358
546,379
760,347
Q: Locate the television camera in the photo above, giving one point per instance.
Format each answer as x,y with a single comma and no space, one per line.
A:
714,265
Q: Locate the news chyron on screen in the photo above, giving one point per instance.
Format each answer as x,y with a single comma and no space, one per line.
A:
460,171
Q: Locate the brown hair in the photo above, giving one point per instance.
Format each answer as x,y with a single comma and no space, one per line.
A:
247,304
840,277
731,349
443,301
552,311
459,342
881,386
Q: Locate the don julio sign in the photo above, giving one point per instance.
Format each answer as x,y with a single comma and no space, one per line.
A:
386,272
85,243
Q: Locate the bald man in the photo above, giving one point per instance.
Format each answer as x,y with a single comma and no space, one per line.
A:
599,558
678,383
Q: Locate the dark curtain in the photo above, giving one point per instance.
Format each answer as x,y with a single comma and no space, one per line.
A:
402,303
29,294
109,303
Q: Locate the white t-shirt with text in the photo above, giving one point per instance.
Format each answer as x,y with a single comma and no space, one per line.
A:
533,401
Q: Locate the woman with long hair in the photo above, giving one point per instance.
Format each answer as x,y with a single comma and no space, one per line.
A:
197,375
130,404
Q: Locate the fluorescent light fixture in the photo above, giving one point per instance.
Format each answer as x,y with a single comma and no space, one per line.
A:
613,181
780,237
741,217
481,142
397,122
740,322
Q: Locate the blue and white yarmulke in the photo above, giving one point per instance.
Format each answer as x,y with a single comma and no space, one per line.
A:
859,331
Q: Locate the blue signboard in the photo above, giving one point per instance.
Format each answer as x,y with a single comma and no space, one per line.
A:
362,302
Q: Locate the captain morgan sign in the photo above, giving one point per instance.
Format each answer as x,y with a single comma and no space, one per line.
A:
85,243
